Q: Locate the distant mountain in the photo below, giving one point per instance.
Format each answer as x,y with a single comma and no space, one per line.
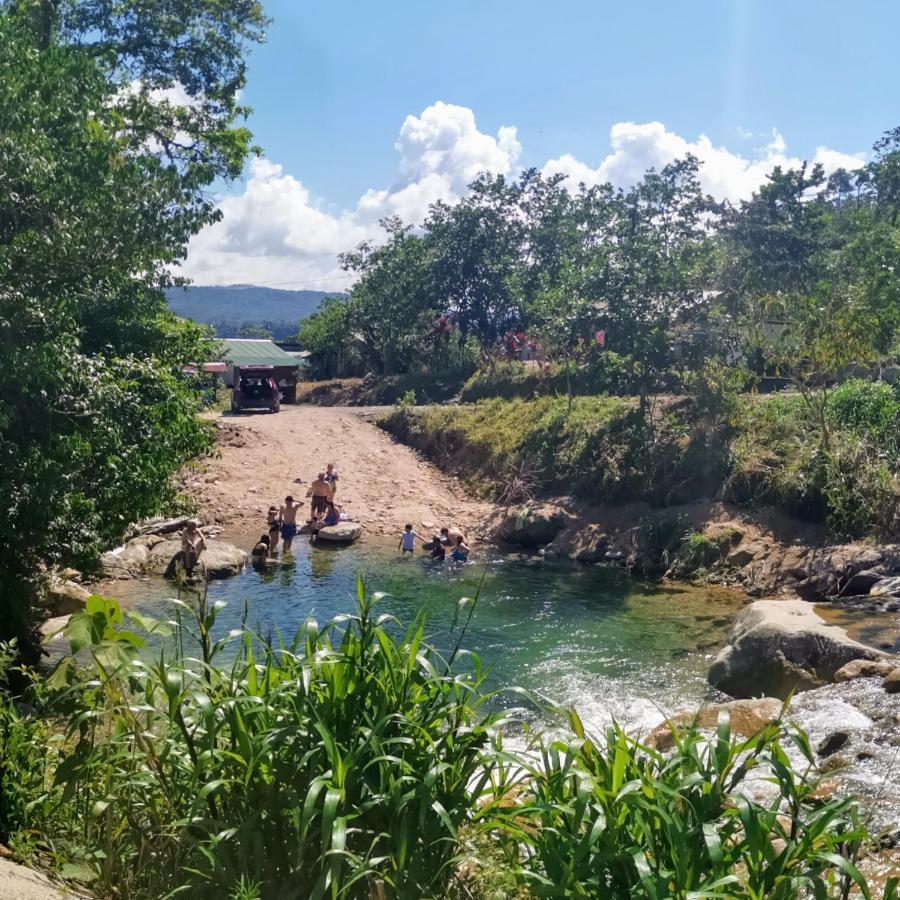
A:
230,308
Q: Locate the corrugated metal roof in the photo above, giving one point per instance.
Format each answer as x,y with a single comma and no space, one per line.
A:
250,352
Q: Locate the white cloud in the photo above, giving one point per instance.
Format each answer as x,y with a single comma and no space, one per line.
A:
725,175
276,232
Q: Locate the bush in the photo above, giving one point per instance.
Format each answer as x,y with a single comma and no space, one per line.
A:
598,446
870,410
612,818
357,762
347,758
603,373
852,485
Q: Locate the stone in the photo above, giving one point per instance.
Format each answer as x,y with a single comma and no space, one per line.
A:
890,374
885,587
51,629
342,533
891,682
861,583
533,525
219,560
832,743
865,668
64,597
744,554
747,717
779,646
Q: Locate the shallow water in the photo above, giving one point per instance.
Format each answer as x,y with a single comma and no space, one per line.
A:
584,636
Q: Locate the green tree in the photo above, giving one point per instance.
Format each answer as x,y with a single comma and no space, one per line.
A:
391,306
105,180
328,337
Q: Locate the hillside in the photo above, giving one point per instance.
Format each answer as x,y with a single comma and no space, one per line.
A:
230,307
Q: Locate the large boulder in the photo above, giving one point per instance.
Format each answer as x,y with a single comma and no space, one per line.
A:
779,646
534,525
342,533
64,597
219,560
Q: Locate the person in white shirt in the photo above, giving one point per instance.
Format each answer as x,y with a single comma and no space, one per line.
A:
408,540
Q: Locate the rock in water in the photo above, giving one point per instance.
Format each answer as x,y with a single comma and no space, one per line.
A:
746,717
533,525
65,597
832,743
865,668
779,646
885,587
891,682
342,533
219,560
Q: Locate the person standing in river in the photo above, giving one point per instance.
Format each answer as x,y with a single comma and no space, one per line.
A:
288,516
321,493
273,523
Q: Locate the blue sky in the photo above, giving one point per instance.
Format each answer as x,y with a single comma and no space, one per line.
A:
332,88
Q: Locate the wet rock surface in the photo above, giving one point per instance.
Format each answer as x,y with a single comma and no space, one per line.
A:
154,555
776,647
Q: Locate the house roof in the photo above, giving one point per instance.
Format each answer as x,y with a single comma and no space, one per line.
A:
251,352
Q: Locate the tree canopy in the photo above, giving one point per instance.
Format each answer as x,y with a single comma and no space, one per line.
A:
115,118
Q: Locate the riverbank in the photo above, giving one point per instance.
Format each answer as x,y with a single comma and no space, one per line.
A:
257,460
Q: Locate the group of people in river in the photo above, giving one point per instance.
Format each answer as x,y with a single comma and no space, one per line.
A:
281,521
450,540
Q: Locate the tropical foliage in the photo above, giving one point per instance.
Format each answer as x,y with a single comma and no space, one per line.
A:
114,120
356,760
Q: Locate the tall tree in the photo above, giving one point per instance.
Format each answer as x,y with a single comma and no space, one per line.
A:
113,124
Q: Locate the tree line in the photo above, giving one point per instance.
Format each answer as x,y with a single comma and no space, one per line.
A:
115,120
802,275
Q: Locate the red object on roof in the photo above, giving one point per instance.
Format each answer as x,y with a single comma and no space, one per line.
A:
215,367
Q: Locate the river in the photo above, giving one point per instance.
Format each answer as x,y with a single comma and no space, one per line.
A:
581,635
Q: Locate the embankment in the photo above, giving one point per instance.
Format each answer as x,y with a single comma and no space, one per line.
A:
665,492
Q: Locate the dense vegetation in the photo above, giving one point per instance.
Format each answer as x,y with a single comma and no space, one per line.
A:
358,761
649,291
800,278
114,121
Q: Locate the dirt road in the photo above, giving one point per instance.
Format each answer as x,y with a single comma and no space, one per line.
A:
382,484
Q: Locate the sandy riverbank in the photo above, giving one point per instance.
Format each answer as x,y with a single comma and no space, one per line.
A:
259,459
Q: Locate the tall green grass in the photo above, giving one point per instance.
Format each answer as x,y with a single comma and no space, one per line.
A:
356,761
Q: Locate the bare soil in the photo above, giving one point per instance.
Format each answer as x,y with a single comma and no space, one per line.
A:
261,458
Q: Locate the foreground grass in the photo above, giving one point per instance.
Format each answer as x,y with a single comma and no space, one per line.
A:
357,761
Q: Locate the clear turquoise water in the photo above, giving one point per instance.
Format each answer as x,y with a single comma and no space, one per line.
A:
586,636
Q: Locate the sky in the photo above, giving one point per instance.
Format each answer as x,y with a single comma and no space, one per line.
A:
364,109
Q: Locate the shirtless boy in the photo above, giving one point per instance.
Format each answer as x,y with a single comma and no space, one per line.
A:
288,516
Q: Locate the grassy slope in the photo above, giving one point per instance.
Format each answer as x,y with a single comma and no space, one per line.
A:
758,451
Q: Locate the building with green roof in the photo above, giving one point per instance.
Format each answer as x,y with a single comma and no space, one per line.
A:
238,352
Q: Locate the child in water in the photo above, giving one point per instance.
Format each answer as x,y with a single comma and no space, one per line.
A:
408,540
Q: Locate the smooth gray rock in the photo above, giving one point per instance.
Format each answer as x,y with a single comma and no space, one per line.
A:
219,560
779,646
342,533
